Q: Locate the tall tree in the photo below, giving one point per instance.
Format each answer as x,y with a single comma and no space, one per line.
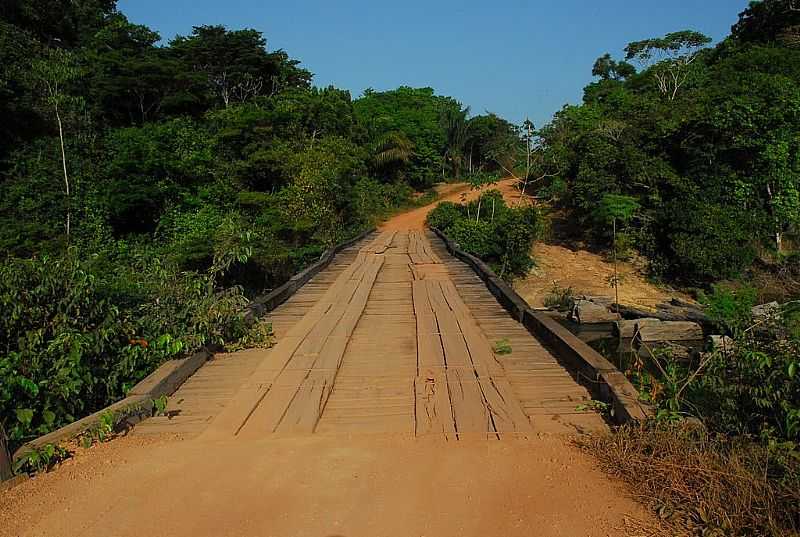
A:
670,57
52,76
456,128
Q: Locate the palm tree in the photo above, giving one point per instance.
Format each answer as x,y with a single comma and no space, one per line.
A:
392,149
456,126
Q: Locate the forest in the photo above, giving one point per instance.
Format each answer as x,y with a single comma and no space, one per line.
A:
695,147
148,190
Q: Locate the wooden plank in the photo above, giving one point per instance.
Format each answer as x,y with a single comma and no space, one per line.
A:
433,413
303,410
232,418
469,410
456,353
480,350
506,412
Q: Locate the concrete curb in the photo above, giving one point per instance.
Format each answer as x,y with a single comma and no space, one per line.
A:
604,381
170,375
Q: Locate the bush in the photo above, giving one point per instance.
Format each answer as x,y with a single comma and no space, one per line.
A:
76,336
474,237
496,233
444,216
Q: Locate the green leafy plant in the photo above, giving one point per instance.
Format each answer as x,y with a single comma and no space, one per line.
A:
41,459
559,298
502,346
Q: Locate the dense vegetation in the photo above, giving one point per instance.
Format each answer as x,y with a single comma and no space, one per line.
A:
693,153
489,229
704,141
147,191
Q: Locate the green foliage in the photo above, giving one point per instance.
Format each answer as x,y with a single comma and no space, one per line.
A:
416,113
702,142
444,215
41,459
502,346
476,237
499,234
730,309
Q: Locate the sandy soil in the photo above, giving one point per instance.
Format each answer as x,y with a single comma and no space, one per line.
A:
586,273
323,486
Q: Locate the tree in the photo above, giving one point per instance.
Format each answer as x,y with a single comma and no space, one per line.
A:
769,21
492,142
456,128
52,76
608,69
672,54
417,113
236,63
392,150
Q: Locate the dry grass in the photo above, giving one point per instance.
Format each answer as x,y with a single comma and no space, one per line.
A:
701,484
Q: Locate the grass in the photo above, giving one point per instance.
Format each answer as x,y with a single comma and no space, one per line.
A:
703,484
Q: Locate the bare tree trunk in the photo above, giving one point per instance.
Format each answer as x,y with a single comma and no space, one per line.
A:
66,176
480,199
616,277
6,470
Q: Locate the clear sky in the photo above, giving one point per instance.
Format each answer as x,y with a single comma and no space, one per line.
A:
514,58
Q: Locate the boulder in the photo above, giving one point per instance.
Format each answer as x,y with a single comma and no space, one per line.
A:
724,344
588,312
766,311
669,331
626,328
676,351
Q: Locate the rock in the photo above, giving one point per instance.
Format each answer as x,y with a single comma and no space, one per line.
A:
626,328
587,312
676,351
669,331
602,300
766,311
724,344
665,312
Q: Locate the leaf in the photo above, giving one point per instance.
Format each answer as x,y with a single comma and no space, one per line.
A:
792,369
49,417
25,415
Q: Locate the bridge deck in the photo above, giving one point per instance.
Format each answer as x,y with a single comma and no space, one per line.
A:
395,336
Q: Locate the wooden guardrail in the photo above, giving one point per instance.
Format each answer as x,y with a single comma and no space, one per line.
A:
604,381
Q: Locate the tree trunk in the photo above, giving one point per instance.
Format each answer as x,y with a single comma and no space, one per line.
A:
64,166
6,471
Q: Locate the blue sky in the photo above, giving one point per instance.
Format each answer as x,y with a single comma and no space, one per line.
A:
514,58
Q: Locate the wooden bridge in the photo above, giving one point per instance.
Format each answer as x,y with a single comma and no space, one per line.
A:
395,336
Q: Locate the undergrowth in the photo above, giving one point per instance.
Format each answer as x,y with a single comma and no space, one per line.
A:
700,483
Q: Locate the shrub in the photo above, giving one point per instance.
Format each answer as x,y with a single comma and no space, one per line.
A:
444,216
76,336
474,237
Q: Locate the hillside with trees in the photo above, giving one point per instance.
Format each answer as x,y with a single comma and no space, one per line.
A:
699,143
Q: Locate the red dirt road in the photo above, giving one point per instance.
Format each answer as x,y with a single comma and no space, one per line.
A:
323,487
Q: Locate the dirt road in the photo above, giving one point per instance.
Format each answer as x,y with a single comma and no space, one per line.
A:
382,411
